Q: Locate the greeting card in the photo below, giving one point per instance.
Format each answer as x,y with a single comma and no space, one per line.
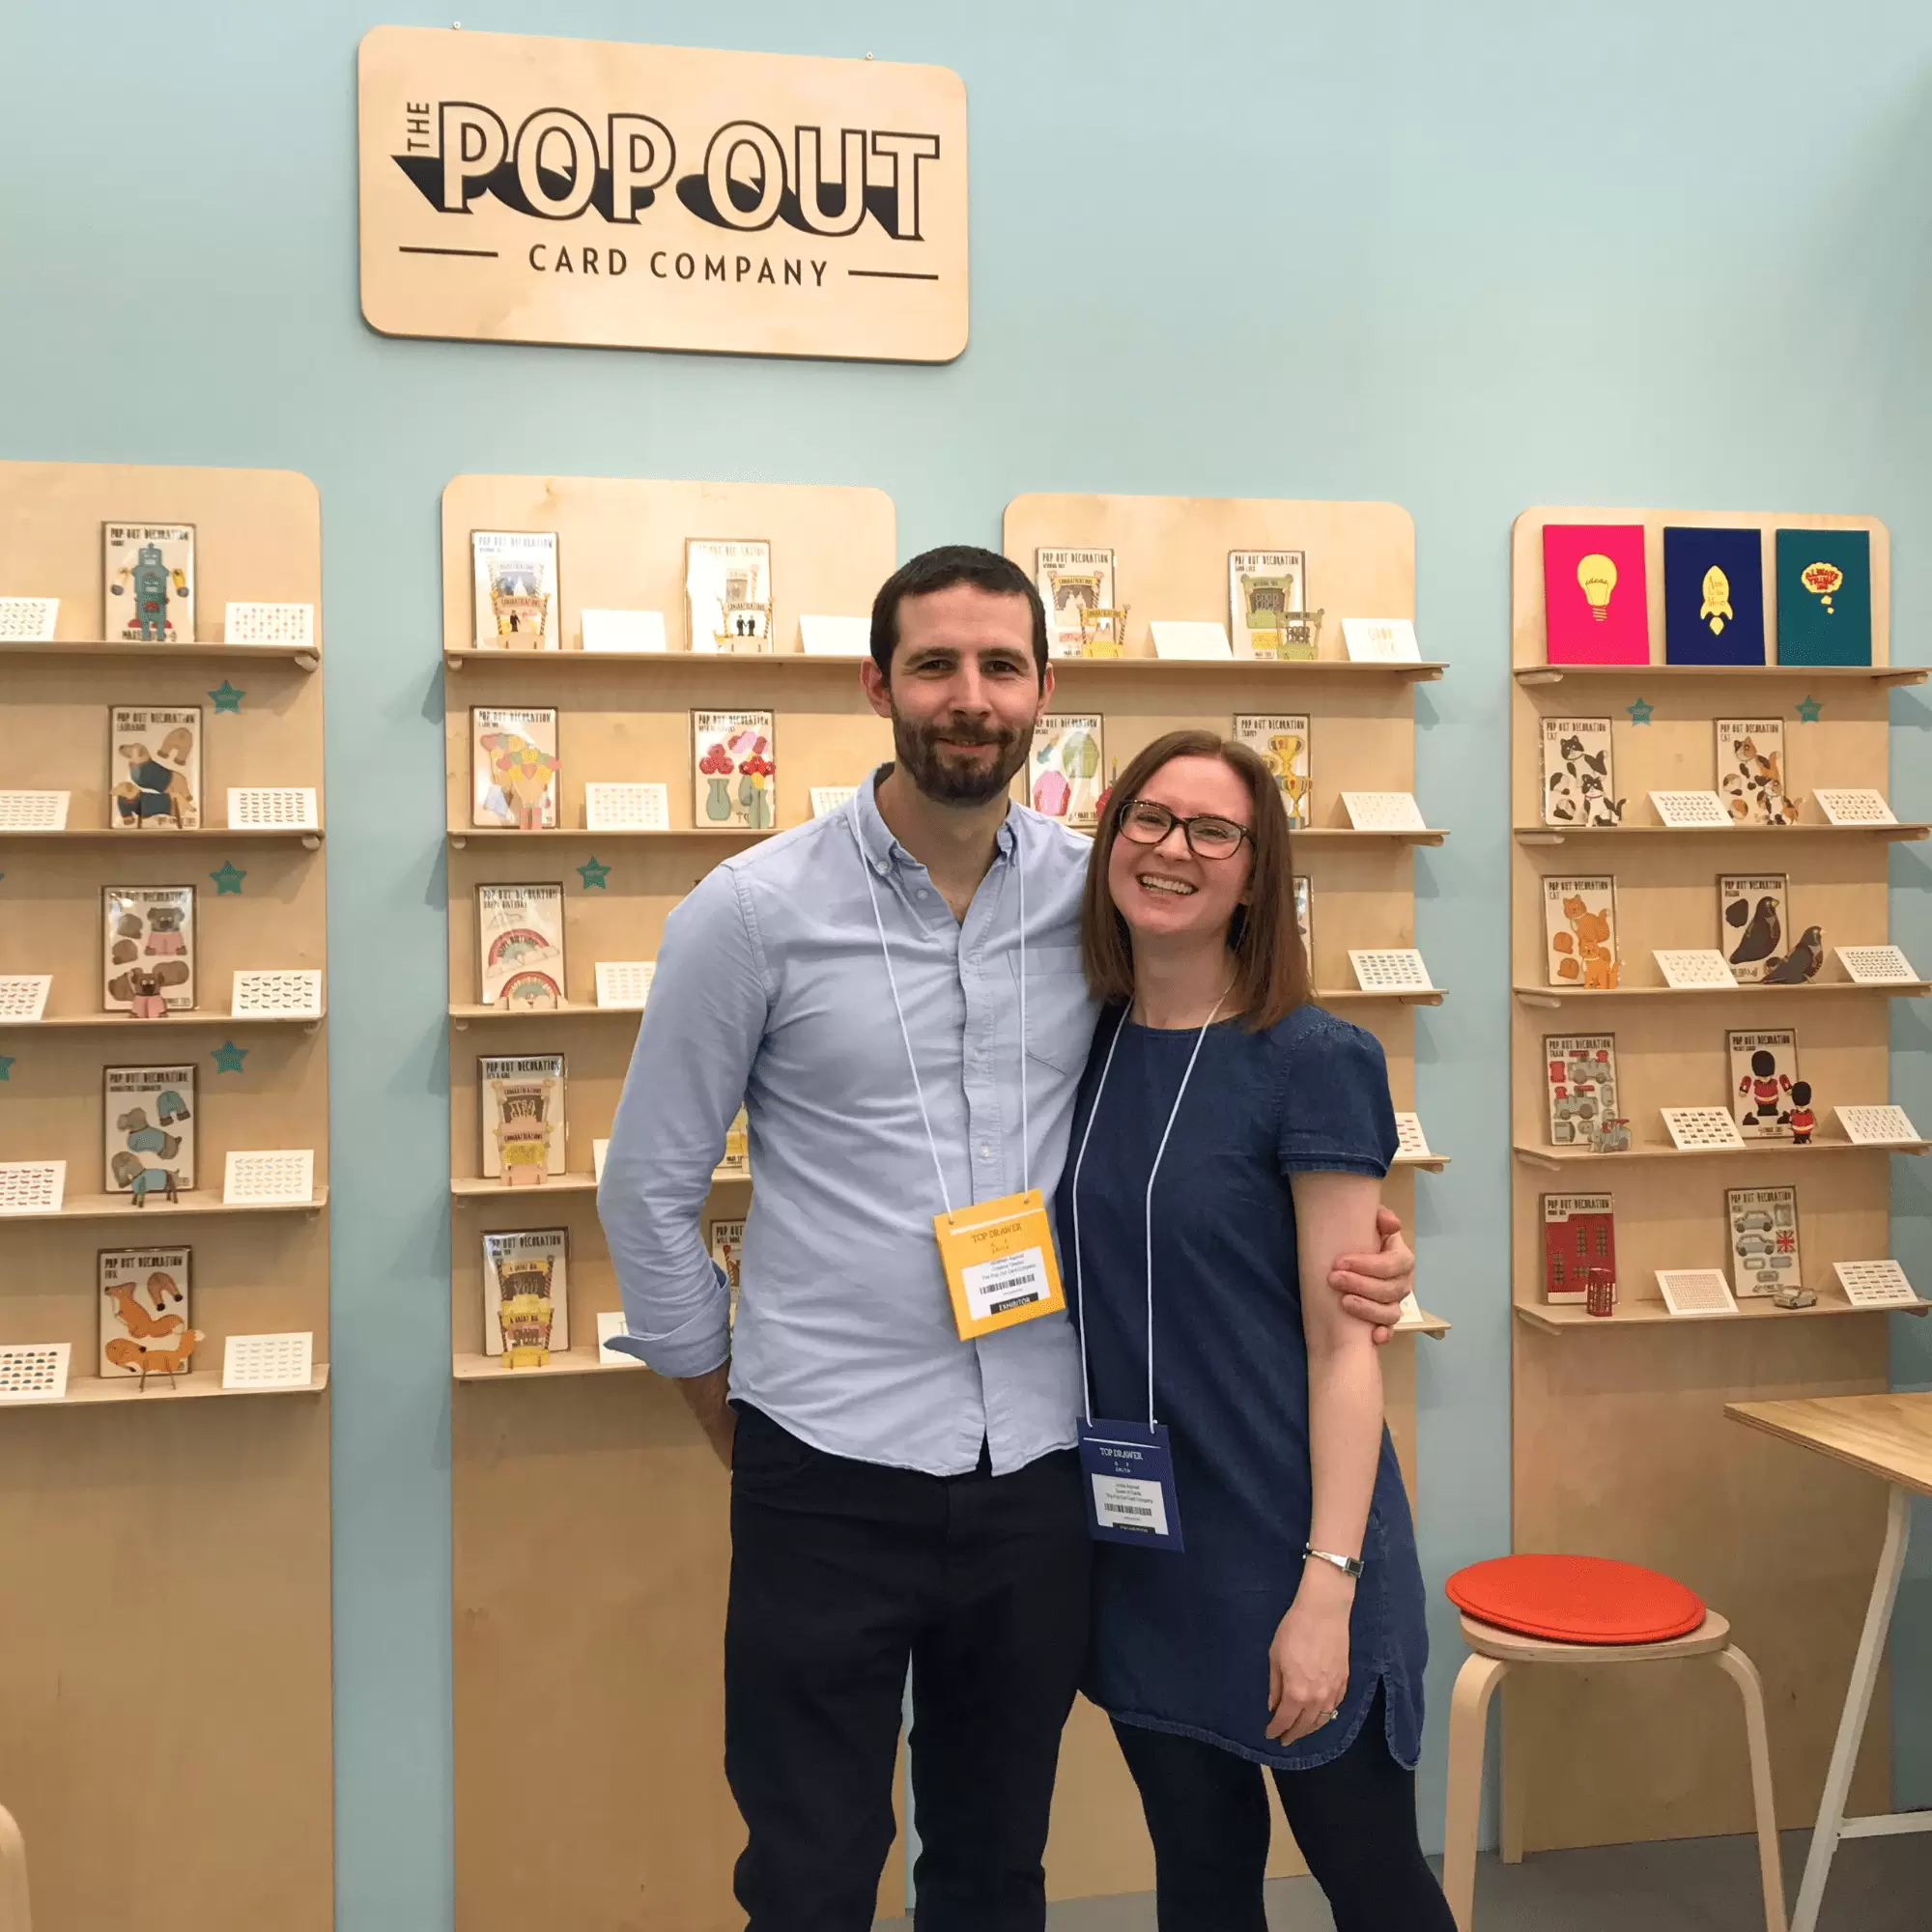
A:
1824,597
1073,582
1762,1226
1580,1238
1064,770
734,769
144,1309
513,768
728,594
526,1297
148,1131
153,775
1594,596
515,573
1579,920
1713,596
1764,1077
1751,772
147,592
1753,922
522,1097
520,946
148,950
1579,785
1283,745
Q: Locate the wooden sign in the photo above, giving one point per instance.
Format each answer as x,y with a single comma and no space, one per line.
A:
518,190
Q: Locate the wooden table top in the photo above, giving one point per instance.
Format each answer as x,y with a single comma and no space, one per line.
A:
1889,1436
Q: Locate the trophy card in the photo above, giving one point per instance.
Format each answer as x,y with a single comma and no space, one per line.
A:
1304,922
734,771
148,1131
727,595
522,1117
1752,921
519,942
526,1297
147,591
1580,928
144,1308
1751,772
1762,1226
726,1242
1073,582
1265,587
1764,1071
517,605
1579,786
1579,1235
153,774
513,768
1284,742
1064,770
148,948
1581,1079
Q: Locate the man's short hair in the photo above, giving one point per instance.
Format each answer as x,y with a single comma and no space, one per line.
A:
940,570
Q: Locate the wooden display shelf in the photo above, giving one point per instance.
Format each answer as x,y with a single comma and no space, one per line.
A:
196,1201
1428,1163
1558,834
472,1368
1426,1323
1557,996
172,1022
474,1187
1631,1313
460,836
464,1013
1344,996
86,1389
304,657
1868,675
1344,834
1555,1157
307,836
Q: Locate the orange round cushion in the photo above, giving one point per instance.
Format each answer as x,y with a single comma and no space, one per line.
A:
1577,1599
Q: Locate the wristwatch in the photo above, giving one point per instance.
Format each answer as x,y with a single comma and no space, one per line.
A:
1350,1566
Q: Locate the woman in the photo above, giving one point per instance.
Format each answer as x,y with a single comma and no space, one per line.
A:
1230,1141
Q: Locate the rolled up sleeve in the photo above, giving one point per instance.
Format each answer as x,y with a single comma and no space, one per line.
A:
700,1029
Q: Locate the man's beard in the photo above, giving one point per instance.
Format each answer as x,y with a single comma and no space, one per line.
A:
943,780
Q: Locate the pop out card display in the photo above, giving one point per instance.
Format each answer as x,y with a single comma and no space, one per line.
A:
520,946
1580,1083
728,594
154,776
734,769
1579,1240
726,1242
1579,929
1073,586
1762,1229
1751,772
148,950
145,1306
148,1131
513,768
526,1296
522,1097
1753,922
147,593
1579,774
1265,589
516,588
1304,921
1064,770
1765,1083
1284,742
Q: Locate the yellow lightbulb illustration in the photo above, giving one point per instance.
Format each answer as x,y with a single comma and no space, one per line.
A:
1598,577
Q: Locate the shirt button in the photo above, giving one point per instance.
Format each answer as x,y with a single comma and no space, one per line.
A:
985,1154
978,1054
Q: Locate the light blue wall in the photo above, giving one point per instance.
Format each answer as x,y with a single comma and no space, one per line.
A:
1468,257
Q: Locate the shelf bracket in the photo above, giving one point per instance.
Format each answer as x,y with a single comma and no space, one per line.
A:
452,661
1548,1002
307,659
1540,677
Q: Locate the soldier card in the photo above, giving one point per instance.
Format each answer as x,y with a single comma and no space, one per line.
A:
1764,1083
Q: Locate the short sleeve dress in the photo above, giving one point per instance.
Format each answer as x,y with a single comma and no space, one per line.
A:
1181,1638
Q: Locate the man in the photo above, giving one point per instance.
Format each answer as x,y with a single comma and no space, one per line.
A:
899,1496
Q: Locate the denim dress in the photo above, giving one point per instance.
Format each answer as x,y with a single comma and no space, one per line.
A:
1181,1638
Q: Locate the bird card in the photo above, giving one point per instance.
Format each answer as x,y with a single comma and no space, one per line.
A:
1762,1226
1580,1082
1064,770
145,1306
1265,587
728,594
148,950
148,1131
154,771
520,946
1580,928
513,768
1284,742
734,771
1824,597
521,1097
1072,583
1579,785
1751,772
517,604
526,1296
1753,924
1580,1238
1764,1088
1713,596
147,593
1594,601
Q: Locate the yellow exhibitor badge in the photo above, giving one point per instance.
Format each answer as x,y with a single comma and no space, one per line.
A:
999,1261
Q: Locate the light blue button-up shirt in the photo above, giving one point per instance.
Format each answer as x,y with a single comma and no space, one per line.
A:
771,987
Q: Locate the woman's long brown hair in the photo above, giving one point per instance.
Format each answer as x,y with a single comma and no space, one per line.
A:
1271,966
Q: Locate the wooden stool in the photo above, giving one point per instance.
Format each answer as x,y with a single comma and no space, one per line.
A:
12,1877
1495,1650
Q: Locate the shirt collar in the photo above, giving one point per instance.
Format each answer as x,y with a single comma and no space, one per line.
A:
883,851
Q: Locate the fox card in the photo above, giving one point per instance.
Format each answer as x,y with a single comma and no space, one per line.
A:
1264,587
145,1311
148,950
1580,1075
526,1296
515,574
147,592
1579,927
513,768
1753,924
1762,1227
1064,770
148,1131
1580,1236
154,779
1751,772
522,1097
734,769
520,940
1073,582
727,595
1579,785
1285,746
1764,1083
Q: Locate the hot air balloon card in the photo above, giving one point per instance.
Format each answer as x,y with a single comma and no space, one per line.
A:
514,576
727,595
522,1097
1579,781
1284,743
147,592
1580,925
1762,1225
513,768
1753,924
1073,582
520,944
148,1131
154,771
734,771
526,1296
1824,597
144,1306
1064,770
1264,589
1751,772
1713,596
1596,605
1764,1077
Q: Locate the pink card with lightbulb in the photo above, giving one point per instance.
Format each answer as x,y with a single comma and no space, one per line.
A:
1595,601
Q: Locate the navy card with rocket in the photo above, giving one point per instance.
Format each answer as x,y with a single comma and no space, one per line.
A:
1713,596
1824,597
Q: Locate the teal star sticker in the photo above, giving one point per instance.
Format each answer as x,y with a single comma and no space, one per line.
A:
1808,709
228,1057
226,698
1641,711
6,1067
228,880
593,875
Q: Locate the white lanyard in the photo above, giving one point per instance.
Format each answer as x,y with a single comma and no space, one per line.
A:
1093,1114
891,979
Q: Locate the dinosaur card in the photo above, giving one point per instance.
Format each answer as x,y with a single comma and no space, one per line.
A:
1753,924
520,946
153,768
734,771
145,1312
1285,744
513,768
522,1097
1072,583
1751,772
148,1131
147,949
147,590
1580,928
1064,770
526,1297
1265,587
1761,1224
1765,1083
1580,1077
727,595
1580,784
517,604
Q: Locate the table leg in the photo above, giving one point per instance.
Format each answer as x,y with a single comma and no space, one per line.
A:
1858,1708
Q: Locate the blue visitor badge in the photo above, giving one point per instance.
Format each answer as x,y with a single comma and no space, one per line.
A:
1129,1474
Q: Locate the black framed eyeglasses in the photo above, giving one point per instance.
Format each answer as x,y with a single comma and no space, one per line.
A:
1147,823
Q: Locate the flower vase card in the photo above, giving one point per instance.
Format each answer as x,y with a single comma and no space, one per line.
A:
526,1296
1284,742
153,774
1064,770
734,769
1595,603
517,602
1824,597
1380,640
1580,1082
727,595
1713,596
148,950
1580,1238
1751,772
1579,927
520,946
1264,589
1762,1224
1752,922
1764,1086
144,1306
513,769
147,591
148,1125
1073,582
1579,785
522,1097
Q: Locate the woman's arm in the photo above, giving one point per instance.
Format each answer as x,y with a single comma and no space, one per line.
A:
1308,1662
